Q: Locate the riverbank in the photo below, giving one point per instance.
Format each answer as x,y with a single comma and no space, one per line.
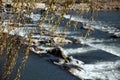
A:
96,6
73,5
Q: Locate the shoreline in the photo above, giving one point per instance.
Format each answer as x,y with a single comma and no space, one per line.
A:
82,6
76,6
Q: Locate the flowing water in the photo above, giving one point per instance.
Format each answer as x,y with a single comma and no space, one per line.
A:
100,52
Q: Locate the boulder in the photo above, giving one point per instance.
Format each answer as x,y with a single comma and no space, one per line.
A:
116,35
58,52
61,40
77,41
87,28
70,66
37,49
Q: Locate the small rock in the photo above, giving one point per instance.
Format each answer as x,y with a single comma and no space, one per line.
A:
116,35
58,52
88,28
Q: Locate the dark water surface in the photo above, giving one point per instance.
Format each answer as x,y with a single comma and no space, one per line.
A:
99,48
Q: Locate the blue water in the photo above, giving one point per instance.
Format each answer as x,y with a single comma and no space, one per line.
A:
100,47
40,69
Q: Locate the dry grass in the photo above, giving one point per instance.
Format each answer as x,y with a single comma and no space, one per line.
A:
12,43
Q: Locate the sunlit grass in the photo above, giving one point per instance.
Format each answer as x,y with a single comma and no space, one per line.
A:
11,44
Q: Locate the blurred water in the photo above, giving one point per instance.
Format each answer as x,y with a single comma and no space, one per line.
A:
99,54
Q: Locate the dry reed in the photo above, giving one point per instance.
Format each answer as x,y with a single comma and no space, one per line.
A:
12,43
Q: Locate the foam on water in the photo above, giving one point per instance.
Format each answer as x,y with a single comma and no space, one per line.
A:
101,70
79,50
75,18
95,24
108,48
34,17
101,46
22,31
102,27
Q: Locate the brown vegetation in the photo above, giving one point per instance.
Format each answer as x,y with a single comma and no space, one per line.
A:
12,43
